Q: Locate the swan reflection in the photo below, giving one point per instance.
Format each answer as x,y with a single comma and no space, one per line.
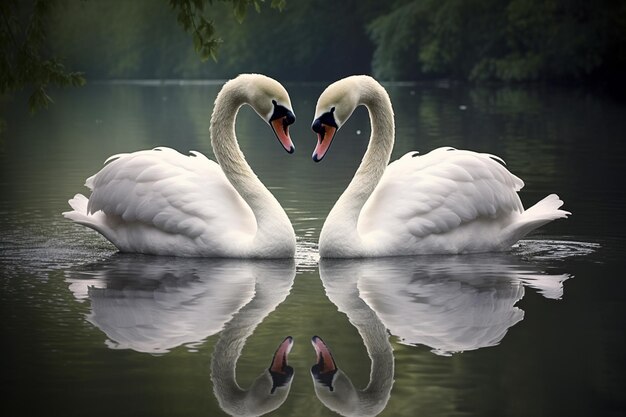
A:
154,304
332,386
270,389
449,303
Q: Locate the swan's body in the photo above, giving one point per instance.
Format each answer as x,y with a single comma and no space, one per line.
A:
165,203
447,201
332,386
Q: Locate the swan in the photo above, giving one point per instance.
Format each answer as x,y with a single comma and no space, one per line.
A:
162,202
447,201
332,386
271,388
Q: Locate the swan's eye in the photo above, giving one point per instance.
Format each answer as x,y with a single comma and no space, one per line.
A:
282,111
328,119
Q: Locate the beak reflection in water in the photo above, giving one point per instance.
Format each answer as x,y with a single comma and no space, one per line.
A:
279,369
325,368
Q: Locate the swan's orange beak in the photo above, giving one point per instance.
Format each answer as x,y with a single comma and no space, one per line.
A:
279,361
325,362
280,127
325,135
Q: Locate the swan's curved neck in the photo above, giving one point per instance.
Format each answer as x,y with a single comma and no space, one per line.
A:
273,225
341,224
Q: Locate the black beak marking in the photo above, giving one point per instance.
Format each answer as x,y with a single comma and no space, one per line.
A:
283,112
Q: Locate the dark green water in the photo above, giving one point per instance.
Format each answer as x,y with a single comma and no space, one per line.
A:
538,331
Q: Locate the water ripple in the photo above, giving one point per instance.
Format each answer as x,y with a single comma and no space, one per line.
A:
553,250
307,255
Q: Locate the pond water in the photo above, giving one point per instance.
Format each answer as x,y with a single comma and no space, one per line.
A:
537,331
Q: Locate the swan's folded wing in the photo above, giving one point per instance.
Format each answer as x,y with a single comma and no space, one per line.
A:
174,193
437,192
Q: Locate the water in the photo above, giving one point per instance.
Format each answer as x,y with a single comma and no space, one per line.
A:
535,331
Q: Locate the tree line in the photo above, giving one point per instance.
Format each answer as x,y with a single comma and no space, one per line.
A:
477,40
312,40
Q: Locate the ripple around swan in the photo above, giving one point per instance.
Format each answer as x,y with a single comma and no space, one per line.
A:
307,256
40,248
546,250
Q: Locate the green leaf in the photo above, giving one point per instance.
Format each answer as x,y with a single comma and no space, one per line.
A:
279,4
39,99
198,4
77,79
184,19
197,41
240,9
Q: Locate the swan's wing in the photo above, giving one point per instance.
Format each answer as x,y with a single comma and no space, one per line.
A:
171,192
438,192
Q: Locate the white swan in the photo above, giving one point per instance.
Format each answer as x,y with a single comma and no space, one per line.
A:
447,201
165,203
332,386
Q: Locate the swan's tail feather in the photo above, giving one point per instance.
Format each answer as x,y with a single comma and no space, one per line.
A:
548,209
79,204
536,216
80,215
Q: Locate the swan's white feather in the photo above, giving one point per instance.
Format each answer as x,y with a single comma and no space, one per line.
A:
161,201
445,201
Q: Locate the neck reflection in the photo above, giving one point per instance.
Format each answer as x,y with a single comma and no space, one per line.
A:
332,386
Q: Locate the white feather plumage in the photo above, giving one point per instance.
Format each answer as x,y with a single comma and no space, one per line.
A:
162,202
446,201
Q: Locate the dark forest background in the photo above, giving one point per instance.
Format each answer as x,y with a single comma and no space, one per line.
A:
554,41
509,40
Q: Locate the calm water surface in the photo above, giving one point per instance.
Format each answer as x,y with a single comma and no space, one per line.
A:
537,331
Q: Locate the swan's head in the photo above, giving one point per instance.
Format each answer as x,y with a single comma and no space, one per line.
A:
270,100
334,108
